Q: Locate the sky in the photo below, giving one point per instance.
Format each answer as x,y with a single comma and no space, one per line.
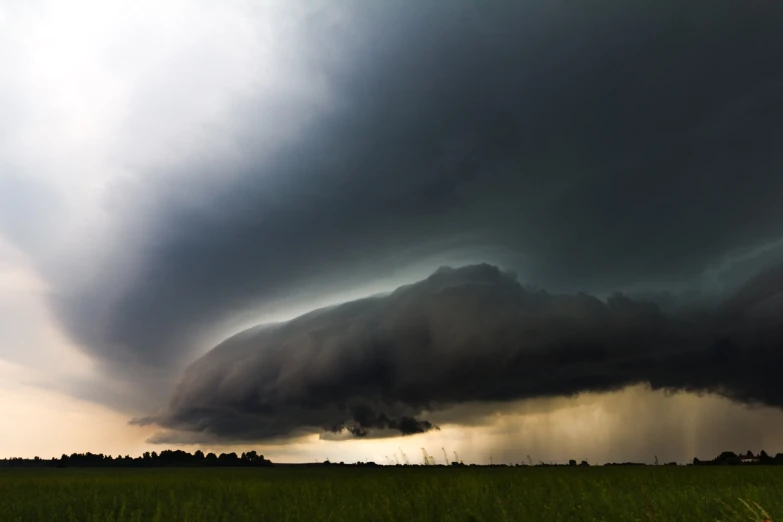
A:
350,229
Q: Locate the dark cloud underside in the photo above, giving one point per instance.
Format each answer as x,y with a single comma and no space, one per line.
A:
472,335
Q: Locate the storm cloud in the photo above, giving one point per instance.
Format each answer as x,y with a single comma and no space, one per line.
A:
472,335
588,149
242,164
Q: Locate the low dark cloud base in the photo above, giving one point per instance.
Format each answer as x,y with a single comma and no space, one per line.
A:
472,334
364,419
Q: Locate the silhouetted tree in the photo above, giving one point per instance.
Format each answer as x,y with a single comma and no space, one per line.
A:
210,459
228,459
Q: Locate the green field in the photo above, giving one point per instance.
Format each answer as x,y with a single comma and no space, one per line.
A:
402,493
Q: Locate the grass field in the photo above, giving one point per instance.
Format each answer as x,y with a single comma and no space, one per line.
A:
404,493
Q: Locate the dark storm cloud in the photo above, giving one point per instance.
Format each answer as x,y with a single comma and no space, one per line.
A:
471,335
601,146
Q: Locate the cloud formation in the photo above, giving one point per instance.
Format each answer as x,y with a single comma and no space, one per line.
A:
588,149
471,335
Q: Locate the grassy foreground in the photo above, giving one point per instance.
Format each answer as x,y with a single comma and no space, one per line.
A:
403,493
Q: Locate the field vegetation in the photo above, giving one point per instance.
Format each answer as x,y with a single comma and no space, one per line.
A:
406,493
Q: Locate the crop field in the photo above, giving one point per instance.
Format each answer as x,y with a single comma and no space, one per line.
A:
408,494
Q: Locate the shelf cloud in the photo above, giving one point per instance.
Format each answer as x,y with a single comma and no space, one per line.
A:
468,335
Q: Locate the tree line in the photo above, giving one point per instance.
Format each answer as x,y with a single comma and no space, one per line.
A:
729,458
164,459
179,458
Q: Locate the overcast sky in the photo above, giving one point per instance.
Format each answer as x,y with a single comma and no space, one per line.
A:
181,181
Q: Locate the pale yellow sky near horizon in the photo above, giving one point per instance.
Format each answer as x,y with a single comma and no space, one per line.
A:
635,424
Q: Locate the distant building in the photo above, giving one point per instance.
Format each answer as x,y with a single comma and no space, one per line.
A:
749,458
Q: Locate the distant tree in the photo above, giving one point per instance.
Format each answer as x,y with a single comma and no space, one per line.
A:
572,462
210,459
729,458
63,462
228,459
